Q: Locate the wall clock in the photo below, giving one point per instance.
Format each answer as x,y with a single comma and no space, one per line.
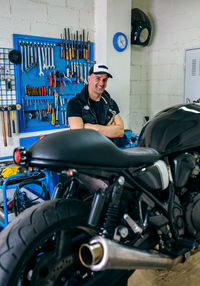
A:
120,41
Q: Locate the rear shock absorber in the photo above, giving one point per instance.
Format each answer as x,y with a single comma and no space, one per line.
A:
113,211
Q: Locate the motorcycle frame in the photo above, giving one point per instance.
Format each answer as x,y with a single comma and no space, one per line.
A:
129,174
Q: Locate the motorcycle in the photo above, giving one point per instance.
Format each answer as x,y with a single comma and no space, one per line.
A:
114,210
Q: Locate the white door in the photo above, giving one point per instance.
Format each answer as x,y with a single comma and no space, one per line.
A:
192,76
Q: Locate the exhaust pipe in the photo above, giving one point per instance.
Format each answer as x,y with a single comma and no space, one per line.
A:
102,254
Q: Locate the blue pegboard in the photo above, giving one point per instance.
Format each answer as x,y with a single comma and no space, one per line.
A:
7,79
32,81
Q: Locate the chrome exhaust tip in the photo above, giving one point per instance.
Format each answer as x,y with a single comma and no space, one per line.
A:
102,254
90,254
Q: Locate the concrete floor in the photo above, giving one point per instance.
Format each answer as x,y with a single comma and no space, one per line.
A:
186,274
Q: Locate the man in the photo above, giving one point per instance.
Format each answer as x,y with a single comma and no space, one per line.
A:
93,108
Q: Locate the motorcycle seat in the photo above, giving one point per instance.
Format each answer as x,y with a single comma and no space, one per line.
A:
87,147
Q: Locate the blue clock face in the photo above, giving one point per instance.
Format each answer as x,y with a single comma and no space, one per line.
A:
120,42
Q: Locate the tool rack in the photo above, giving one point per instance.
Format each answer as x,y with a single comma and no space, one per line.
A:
45,81
7,79
7,93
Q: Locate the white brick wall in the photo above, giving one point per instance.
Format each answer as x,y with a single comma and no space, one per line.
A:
45,18
176,27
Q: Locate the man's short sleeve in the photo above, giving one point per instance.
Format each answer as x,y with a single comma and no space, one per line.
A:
115,107
74,109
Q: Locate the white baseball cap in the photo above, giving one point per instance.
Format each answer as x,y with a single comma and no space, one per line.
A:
99,69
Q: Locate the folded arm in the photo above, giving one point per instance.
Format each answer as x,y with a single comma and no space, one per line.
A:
114,128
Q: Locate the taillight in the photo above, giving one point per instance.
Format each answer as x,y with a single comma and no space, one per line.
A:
20,156
17,156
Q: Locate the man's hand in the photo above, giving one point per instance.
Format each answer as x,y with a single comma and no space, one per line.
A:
114,128
111,122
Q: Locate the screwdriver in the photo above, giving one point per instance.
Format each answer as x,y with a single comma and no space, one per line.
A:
53,121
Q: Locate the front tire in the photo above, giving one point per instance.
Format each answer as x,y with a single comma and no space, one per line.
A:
40,247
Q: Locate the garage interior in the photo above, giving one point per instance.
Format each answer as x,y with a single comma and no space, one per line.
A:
146,79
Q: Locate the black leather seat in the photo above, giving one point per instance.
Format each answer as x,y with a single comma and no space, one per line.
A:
87,147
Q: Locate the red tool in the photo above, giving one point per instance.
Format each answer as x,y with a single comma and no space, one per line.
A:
61,85
50,80
54,79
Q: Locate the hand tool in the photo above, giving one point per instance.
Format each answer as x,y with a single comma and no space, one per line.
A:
31,51
28,55
62,78
8,123
67,71
57,122
18,107
77,47
35,53
85,74
43,57
22,56
7,78
25,57
77,72
84,56
40,63
12,108
81,48
54,79
61,85
62,51
48,108
49,56
56,96
45,93
62,111
66,45
3,126
73,46
50,80
53,117
69,44
81,72
88,48
52,57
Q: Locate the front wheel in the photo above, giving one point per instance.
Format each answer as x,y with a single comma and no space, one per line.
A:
40,247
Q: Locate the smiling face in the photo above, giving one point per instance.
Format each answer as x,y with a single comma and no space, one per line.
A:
97,84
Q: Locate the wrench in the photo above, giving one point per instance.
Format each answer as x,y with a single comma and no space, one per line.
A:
52,57
85,74
35,52
28,47
22,57
32,60
49,56
25,57
40,64
81,73
43,57
77,72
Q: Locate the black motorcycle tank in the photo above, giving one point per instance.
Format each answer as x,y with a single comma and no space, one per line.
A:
172,130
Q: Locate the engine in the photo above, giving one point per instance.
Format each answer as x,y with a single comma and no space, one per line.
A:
186,171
